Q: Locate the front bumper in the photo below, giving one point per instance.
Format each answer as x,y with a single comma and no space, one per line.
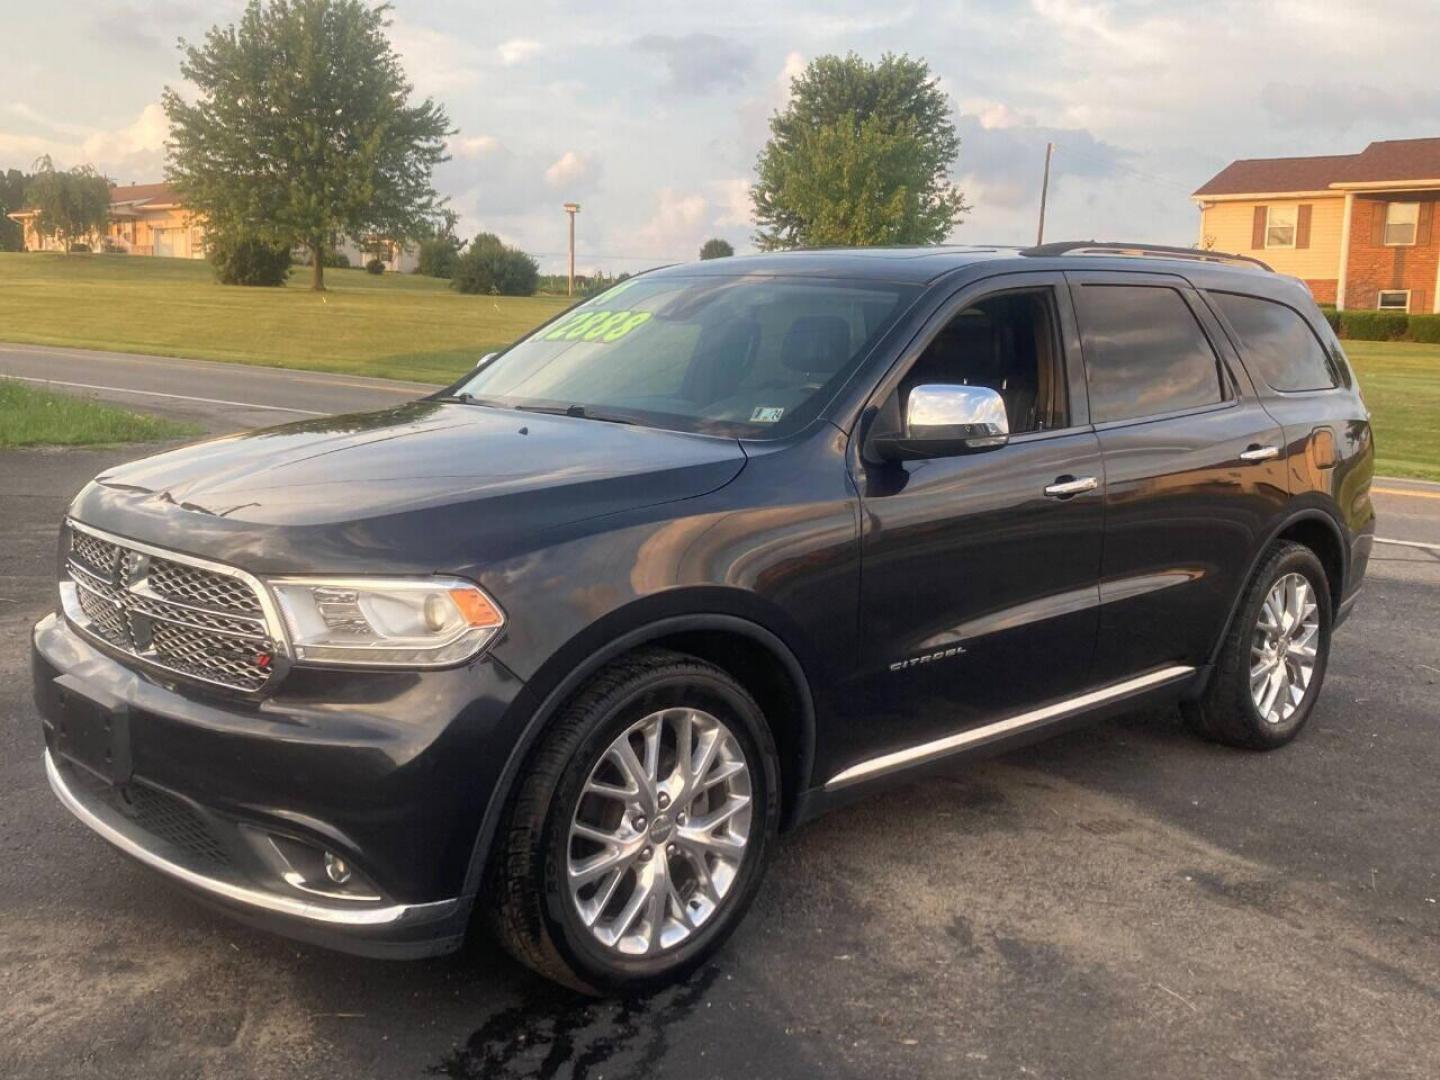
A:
389,771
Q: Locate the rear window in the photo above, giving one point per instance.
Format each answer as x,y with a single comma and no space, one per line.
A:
1277,344
1144,352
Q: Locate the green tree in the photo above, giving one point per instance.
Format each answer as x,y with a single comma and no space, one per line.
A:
489,266
861,156
69,205
715,248
303,129
12,197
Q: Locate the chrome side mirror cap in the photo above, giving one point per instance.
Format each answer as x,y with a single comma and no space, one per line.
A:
942,420
485,359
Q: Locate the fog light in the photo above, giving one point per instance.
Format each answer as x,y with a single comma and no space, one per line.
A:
336,868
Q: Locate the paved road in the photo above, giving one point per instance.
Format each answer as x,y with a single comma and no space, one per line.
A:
223,397
1124,901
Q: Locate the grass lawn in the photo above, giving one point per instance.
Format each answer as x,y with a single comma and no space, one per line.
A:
31,417
397,326
403,326
1401,383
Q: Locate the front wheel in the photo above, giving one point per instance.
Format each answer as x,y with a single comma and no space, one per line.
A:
1272,663
640,834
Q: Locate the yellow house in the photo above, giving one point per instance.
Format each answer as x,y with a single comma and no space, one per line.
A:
149,219
145,219
1358,229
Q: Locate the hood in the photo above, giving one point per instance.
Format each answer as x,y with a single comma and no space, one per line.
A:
508,470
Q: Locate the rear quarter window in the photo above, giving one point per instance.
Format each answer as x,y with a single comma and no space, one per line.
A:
1144,352
1277,344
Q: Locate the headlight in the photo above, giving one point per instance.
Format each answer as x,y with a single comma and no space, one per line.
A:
396,622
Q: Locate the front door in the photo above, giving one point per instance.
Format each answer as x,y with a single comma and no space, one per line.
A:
979,571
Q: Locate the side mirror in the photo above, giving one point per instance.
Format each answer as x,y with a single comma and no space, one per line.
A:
943,420
485,359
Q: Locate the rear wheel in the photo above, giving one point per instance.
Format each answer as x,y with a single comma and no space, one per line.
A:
1272,664
640,834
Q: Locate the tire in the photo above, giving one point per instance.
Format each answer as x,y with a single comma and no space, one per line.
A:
651,843
1228,712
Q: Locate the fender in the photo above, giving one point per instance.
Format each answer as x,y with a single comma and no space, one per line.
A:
1307,513
597,659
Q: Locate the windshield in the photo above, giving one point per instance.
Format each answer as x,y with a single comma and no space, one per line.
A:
753,357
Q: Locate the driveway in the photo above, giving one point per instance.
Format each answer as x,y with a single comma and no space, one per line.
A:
1123,901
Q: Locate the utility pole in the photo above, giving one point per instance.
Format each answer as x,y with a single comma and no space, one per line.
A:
572,208
1044,193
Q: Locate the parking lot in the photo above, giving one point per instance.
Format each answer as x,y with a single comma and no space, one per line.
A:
1121,901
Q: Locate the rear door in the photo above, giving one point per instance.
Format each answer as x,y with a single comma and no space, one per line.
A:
1194,468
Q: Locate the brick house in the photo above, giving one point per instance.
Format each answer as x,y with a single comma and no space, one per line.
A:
1358,229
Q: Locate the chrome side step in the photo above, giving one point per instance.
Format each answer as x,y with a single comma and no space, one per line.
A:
930,751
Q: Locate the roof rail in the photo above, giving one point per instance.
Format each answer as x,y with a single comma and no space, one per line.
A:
1154,251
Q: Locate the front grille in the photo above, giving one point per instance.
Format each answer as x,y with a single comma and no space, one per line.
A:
202,621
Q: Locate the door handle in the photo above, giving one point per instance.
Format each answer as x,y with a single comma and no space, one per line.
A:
1260,453
1064,487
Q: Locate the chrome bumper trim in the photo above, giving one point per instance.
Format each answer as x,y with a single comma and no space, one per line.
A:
930,751
114,832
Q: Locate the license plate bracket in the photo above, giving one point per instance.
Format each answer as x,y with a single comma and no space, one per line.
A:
93,730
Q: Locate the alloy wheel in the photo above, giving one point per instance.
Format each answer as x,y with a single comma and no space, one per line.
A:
660,831
1284,648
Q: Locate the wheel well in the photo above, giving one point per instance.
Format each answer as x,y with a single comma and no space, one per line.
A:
1322,540
770,682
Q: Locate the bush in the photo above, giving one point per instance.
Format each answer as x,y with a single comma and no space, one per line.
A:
488,266
247,260
438,258
1425,328
1332,316
375,266
1374,325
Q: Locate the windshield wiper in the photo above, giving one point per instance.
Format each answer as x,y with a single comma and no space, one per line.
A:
580,411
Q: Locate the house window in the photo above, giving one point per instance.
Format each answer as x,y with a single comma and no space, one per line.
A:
1401,221
1280,226
1394,300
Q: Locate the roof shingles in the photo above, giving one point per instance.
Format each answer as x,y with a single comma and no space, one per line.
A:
1380,162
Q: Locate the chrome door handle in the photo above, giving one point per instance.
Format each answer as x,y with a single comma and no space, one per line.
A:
1063,489
1260,453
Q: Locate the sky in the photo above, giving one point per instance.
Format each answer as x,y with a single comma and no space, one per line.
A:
650,113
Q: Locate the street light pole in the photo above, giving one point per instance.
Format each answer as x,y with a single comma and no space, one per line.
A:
572,209
1044,193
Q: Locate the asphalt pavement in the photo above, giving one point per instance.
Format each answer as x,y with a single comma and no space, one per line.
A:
1123,901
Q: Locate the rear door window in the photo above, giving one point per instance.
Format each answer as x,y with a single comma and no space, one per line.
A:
1145,354
1277,344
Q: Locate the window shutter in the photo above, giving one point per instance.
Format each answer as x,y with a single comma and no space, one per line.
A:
1302,226
1377,222
1257,228
1427,223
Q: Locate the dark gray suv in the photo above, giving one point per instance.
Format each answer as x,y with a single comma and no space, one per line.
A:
566,644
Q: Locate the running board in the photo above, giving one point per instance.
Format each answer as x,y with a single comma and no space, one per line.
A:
939,748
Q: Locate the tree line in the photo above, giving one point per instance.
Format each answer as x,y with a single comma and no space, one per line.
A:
303,128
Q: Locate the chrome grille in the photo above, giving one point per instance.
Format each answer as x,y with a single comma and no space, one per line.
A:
207,624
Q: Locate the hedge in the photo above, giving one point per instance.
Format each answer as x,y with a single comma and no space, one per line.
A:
1374,325
1425,328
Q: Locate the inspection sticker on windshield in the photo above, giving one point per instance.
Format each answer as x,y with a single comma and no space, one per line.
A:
764,414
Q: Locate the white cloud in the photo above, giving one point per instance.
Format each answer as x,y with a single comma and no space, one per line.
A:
436,62
677,228
733,199
517,51
571,170
473,146
132,151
